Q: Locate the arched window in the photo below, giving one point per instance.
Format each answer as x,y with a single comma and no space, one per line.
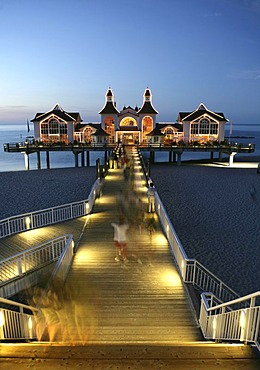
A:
54,130
109,125
168,131
128,121
87,134
147,124
204,126
53,126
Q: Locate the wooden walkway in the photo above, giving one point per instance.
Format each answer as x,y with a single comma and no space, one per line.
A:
142,300
133,315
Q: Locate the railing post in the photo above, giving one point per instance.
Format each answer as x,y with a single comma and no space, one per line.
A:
220,290
194,272
9,228
32,223
19,267
248,320
2,323
52,248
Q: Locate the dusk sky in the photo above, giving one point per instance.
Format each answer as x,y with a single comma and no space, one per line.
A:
186,51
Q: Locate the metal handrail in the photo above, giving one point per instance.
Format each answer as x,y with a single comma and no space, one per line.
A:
49,216
20,325
33,258
223,297
223,322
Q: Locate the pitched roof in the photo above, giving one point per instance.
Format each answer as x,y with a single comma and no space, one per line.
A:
159,126
109,108
81,126
201,111
147,108
100,132
59,112
128,110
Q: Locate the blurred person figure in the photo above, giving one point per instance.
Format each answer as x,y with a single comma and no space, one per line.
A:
151,197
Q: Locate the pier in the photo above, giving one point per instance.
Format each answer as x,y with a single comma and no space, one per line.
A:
135,314
82,152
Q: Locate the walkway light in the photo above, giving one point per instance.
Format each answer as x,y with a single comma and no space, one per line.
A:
242,323
2,319
87,208
214,327
30,324
242,319
28,223
2,322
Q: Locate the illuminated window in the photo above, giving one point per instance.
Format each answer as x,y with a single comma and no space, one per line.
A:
128,121
147,124
214,128
44,129
57,130
53,127
109,125
63,129
194,129
87,134
169,131
204,126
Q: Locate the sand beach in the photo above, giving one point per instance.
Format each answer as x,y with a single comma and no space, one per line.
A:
27,191
212,208
216,213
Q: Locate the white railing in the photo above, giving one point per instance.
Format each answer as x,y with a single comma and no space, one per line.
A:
23,264
191,270
229,322
17,324
236,320
34,220
32,258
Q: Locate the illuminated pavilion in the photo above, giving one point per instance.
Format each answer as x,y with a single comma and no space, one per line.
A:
130,125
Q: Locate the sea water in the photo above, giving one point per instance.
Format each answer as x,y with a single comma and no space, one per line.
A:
15,133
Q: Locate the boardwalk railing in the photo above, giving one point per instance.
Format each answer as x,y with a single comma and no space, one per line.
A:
17,321
15,324
191,270
227,322
235,319
34,220
14,268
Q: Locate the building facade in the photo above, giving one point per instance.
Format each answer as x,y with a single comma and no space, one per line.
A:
55,126
130,125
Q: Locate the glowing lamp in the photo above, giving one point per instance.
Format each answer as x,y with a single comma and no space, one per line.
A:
28,223
2,319
242,319
30,323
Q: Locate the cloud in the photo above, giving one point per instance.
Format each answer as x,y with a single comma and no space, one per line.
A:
212,15
249,74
